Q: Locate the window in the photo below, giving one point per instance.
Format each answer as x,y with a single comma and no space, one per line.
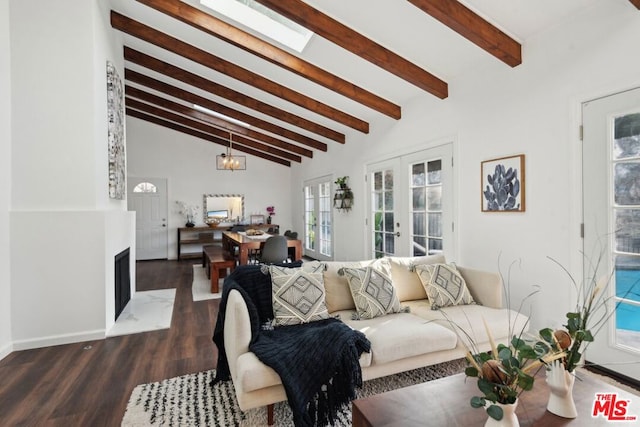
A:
263,20
145,187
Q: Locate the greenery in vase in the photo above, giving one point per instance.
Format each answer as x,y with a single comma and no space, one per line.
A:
506,371
589,315
342,181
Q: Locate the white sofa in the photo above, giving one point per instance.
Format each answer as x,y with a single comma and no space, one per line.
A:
399,341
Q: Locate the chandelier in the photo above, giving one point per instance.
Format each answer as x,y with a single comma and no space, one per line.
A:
229,162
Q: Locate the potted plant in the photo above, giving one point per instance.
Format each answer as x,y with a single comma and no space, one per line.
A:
271,210
189,211
506,372
342,182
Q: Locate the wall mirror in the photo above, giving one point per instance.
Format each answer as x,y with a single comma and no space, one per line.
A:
221,206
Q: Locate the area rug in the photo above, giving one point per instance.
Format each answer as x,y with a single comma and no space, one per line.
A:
146,311
201,286
190,401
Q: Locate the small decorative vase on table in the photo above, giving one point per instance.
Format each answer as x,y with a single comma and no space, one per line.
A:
269,219
509,417
190,222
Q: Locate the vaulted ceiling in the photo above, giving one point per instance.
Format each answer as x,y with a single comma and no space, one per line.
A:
364,61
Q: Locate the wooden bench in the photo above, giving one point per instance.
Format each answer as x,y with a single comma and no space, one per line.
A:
216,260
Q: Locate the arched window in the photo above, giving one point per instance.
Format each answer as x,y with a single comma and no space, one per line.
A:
145,187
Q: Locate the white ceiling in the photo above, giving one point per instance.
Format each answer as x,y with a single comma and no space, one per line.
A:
394,24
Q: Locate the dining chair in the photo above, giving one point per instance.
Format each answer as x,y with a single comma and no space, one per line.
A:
274,250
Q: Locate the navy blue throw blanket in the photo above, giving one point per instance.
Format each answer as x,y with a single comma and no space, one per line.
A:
317,362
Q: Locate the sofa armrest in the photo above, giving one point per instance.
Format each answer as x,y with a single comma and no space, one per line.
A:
485,287
237,330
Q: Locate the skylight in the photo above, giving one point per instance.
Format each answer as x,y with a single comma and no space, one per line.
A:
263,20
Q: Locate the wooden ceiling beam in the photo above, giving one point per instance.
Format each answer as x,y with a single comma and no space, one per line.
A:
207,137
224,126
636,3
139,78
254,45
194,80
203,127
473,27
172,44
338,33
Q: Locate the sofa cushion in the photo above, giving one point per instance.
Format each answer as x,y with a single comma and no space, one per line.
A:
372,291
405,280
298,295
401,335
444,285
468,321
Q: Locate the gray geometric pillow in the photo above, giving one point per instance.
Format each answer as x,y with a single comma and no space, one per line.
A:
444,285
297,296
372,291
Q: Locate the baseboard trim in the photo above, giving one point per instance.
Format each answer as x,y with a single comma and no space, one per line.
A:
623,379
6,350
58,340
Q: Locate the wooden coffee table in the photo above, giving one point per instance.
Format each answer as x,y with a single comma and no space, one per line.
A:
445,402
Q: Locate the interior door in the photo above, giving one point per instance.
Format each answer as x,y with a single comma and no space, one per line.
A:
148,198
611,197
411,207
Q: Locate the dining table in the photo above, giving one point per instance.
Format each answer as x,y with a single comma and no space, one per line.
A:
232,240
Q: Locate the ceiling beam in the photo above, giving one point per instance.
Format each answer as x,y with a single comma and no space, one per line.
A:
334,31
191,79
167,42
139,78
476,29
223,125
170,125
238,140
636,3
254,45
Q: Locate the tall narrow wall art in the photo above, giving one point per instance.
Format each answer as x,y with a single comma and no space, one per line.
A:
115,112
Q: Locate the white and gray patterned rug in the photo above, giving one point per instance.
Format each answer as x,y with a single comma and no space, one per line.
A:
190,401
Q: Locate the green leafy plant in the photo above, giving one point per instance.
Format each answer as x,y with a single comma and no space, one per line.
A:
506,371
589,315
341,181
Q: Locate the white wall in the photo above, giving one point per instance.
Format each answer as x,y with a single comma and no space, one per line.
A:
66,231
494,111
5,181
189,165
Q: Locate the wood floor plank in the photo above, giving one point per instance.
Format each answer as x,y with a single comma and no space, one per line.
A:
69,385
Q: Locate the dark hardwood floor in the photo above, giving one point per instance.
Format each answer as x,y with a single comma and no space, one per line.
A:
89,383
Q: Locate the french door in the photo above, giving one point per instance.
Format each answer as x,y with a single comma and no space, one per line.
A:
318,228
611,198
411,207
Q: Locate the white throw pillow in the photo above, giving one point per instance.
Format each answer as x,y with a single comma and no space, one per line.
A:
372,291
298,296
444,285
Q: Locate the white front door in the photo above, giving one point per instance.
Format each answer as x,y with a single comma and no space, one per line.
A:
411,207
611,197
148,198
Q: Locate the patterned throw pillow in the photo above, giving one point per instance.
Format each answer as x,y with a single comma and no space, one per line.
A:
444,285
297,295
372,291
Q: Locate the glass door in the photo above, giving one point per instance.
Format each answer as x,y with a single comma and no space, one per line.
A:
411,204
611,173
318,230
